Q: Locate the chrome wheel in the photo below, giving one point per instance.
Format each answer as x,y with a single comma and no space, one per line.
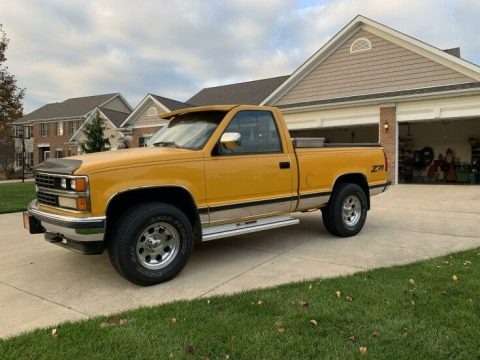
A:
352,210
158,245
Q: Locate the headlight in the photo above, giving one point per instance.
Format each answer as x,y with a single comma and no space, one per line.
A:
63,183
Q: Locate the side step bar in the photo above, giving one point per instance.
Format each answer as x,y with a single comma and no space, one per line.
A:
245,227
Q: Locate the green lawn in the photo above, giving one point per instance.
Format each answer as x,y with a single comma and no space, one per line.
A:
16,196
417,311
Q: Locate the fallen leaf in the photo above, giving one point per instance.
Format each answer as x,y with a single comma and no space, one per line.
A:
351,338
349,298
313,322
376,334
207,301
413,302
103,325
261,302
405,334
190,349
310,287
54,333
466,263
363,350
171,355
173,321
338,293
454,278
280,328
412,282
122,322
304,304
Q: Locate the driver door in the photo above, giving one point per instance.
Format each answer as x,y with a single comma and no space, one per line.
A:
254,179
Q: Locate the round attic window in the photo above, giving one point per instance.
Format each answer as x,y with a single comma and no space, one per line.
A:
359,45
152,111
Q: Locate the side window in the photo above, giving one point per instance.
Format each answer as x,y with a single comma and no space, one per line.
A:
258,130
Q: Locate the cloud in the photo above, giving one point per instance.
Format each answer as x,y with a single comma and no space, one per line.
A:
64,49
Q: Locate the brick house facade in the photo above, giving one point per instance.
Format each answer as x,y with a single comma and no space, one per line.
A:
57,127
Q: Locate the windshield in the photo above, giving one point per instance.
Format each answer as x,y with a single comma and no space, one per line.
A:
188,131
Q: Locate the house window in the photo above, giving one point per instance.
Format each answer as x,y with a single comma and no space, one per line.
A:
30,132
44,129
59,153
19,159
152,111
143,140
29,158
360,45
73,127
60,128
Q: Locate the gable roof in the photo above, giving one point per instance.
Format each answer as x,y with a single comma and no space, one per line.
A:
246,93
164,103
171,104
432,53
74,107
116,117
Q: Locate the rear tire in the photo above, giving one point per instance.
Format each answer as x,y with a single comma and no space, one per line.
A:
151,243
346,211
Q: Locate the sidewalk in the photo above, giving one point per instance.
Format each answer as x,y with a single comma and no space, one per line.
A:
42,284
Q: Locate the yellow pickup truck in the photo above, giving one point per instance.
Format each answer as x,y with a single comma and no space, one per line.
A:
212,172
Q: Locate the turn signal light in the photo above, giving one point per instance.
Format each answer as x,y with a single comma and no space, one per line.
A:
79,184
82,203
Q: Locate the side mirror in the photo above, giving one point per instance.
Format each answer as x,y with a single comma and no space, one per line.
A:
231,140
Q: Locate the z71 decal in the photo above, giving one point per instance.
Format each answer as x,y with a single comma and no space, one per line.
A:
376,168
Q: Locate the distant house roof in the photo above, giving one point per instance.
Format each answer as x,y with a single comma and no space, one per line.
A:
69,108
164,103
170,103
247,93
116,117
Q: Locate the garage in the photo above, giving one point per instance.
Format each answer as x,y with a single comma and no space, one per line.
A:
439,141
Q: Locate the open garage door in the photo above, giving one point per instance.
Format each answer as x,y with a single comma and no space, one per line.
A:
439,152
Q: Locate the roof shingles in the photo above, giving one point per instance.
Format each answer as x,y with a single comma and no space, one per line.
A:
247,93
74,107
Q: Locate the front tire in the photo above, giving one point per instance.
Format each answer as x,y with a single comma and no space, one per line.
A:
151,243
346,211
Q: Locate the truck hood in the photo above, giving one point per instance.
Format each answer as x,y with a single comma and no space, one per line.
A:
109,160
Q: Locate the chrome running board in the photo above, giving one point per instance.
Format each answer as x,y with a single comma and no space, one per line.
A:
245,227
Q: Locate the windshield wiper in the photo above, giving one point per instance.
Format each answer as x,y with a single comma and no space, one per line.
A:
166,144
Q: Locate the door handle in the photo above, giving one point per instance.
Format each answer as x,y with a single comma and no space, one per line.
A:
284,165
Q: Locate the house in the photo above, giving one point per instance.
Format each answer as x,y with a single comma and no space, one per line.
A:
55,130
371,83
143,122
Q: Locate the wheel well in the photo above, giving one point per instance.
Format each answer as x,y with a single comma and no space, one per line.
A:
358,179
175,196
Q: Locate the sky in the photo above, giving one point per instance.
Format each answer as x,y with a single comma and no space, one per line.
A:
61,49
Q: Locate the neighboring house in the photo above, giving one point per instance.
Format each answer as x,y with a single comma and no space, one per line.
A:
143,122
55,128
245,93
371,83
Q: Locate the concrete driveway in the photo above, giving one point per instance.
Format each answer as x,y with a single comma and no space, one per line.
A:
42,284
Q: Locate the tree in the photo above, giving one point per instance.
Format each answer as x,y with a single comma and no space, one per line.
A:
11,108
95,141
11,96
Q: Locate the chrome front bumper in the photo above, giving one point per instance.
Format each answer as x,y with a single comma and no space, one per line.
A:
84,235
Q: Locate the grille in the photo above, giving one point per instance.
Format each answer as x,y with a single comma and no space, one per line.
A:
47,199
46,181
